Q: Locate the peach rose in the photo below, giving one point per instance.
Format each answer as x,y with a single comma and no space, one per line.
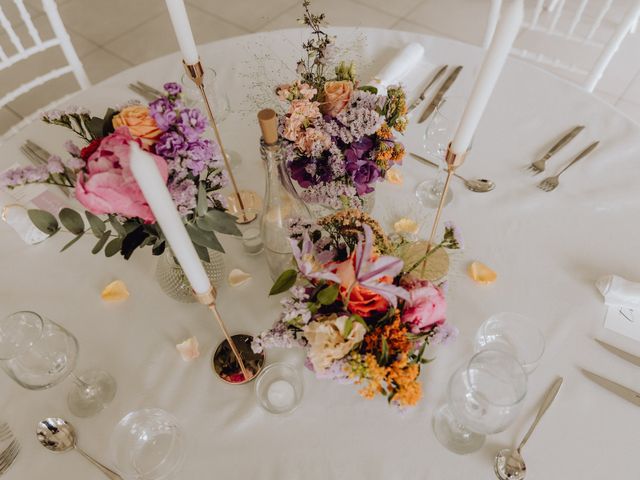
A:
140,124
336,96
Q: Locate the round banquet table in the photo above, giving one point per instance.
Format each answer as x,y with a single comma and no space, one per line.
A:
548,249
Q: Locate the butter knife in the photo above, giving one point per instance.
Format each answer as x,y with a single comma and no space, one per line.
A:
426,89
440,94
621,353
620,390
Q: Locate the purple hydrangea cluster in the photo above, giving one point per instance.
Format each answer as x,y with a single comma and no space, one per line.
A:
189,155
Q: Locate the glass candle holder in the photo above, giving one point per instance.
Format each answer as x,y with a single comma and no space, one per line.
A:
218,99
279,389
252,241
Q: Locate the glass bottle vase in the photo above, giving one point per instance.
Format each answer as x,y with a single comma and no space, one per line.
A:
281,205
174,282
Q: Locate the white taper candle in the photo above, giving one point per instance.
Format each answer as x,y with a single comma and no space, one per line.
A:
182,28
159,199
494,61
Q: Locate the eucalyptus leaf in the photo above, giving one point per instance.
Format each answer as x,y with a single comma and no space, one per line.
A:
204,238
284,282
132,241
71,220
101,242
219,221
113,247
75,239
94,125
97,225
328,295
117,226
44,221
202,205
203,253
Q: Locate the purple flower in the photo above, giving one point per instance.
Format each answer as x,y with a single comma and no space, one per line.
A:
163,112
311,265
191,123
170,144
172,88
444,334
55,165
72,148
363,173
279,336
199,155
368,273
357,150
184,195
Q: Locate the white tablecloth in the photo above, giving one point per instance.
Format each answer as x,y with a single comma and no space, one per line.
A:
548,249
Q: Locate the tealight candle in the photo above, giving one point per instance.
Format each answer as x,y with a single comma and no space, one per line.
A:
281,394
252,241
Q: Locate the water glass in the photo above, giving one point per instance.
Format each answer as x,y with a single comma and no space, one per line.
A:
484,397
515,334
218,99
279,388
148,444
441,127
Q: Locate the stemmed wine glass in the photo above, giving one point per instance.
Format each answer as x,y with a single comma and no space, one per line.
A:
484,397
439,132
38,353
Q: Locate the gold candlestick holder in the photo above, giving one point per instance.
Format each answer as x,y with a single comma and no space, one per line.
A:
454,160
196,74
243,365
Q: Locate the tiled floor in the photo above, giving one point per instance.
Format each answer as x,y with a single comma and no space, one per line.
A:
113,35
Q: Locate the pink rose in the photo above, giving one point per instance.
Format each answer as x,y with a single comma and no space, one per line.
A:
336,96
107,185
426,308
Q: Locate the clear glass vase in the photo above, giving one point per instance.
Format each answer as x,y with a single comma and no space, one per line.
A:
175,283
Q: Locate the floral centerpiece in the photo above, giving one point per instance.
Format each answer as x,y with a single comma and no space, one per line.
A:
362,315
338,135
100,176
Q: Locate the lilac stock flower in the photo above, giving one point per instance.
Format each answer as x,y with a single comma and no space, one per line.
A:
294,308
170,144
444,334
311,264
172,88
368,272
72,148
163,112
335,372
279,336
191,123
55,165
184,195
12,178
199,154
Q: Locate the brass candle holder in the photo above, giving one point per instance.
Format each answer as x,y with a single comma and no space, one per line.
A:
454,160
196,74
235,372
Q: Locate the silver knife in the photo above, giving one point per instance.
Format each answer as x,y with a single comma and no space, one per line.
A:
620,390
440,94
562,142
621,353
426,89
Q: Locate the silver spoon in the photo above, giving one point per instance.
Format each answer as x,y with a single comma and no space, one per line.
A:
509,464
59,436
480,185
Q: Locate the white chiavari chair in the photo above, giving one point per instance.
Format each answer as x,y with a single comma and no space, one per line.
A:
568,22
21,50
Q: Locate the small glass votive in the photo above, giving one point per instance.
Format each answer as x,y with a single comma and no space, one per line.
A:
279,389
252,241
515,334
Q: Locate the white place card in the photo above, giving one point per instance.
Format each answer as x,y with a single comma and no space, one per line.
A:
624,321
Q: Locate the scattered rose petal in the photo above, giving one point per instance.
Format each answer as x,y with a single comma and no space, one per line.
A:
237,277
480,273
189,349
406,225
116,291
394,176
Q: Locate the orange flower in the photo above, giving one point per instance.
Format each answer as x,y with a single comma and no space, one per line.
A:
384,132
395,334
361,301
140,124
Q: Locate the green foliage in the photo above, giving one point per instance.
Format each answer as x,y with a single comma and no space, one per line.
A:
96,224
101,242
113,247
204,238
76,238
284,282
218,221
44,221
71,220
328,295
202,205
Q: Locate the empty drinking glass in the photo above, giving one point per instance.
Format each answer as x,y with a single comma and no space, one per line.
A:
148,444
484,397
38,354
515,334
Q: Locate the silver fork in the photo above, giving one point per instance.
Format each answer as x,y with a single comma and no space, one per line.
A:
539,165
5,432
8,456
550,183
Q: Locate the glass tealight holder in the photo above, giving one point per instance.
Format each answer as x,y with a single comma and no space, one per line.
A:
148,444
279,389
252,241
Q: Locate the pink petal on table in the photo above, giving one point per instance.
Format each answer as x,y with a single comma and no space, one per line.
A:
189,349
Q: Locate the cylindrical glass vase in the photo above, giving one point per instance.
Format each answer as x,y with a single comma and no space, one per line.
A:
174,282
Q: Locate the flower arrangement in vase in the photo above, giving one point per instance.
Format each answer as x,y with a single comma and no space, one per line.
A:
338,136
99,174
361,313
